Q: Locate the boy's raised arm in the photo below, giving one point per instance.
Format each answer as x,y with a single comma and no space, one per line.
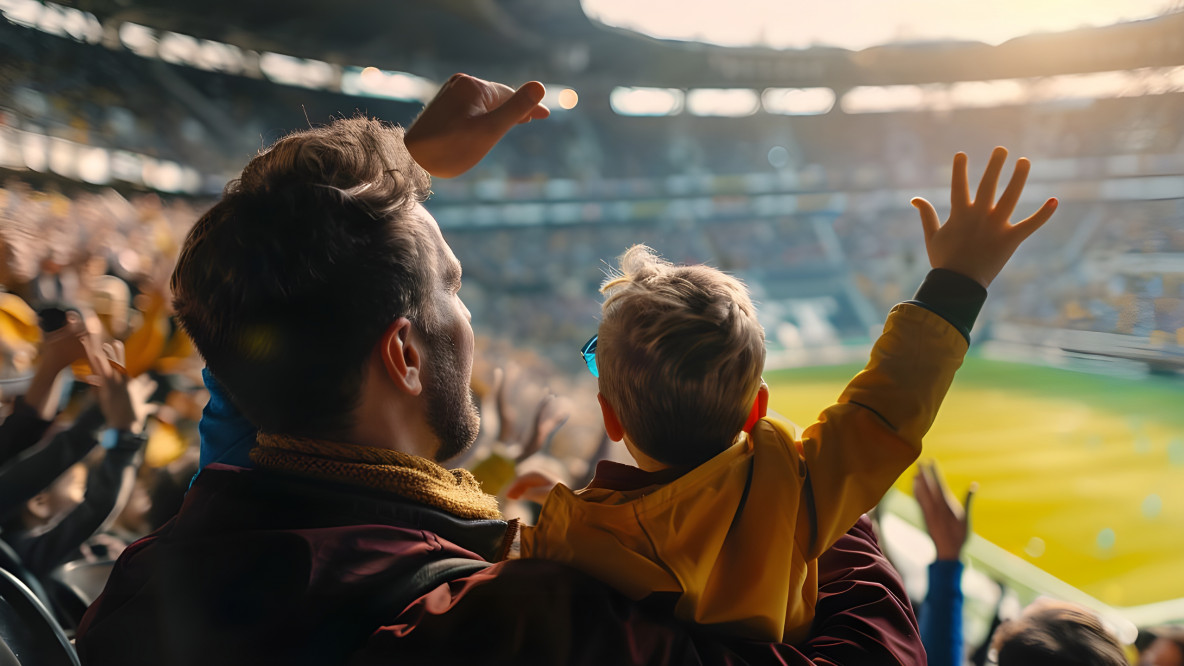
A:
862,444
978,238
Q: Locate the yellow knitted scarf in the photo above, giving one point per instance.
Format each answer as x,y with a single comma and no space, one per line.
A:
411,477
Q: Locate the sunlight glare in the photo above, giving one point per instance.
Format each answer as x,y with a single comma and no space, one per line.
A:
800,24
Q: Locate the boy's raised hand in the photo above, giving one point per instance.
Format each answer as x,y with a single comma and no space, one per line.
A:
466,118
978,238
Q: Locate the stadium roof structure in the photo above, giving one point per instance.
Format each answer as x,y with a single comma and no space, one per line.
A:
554,40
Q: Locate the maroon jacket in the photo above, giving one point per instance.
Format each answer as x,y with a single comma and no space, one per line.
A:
262,568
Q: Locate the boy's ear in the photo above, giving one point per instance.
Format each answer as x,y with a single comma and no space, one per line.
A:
760,407
612,425
402,357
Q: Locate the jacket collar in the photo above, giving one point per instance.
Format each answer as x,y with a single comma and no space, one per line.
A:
297,501
616,476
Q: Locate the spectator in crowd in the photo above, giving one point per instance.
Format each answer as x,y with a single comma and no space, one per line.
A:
334,330
34,412
948,525
1056,633
1048,632
1166,649
49,527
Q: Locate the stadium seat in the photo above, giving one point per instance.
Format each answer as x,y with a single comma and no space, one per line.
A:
85,580
29,635
11,562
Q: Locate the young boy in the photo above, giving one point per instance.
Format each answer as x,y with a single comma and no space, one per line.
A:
726,511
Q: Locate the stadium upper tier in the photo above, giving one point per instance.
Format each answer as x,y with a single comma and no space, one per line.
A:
82,95
554,40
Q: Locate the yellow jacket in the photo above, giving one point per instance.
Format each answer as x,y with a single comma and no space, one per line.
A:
737,538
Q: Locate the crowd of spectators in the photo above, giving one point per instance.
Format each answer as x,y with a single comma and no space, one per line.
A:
68,250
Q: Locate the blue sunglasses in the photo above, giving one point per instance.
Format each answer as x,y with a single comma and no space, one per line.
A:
588,351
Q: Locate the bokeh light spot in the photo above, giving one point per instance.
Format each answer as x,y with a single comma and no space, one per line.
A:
1176,452
568,98
1152,506
1107,539
778,157
1035,547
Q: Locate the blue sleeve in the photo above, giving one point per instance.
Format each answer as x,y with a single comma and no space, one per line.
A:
941,614
226,435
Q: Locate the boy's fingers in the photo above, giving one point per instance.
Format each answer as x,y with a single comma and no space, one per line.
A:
986,187
1029,225
1011,196
930,222
960,188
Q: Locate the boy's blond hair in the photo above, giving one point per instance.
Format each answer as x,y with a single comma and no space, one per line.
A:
680,355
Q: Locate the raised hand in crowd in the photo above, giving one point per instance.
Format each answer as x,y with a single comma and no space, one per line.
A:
948,524
947,521
467,117
59,348
497,462
978,238
124,403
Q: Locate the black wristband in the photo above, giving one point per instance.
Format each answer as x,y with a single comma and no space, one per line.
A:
130,441
952,296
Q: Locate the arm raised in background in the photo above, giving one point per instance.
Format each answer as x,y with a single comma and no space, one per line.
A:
948,524
860,445
35,411
466,118
124,405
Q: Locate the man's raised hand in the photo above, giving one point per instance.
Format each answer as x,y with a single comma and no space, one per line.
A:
467,117
978,238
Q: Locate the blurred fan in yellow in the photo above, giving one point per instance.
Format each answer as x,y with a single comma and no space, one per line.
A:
19,334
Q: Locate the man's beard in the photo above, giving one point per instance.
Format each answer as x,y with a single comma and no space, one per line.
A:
451,405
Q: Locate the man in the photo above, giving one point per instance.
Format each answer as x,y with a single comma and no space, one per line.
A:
325,301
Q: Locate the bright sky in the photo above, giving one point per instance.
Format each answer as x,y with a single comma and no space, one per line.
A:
858,24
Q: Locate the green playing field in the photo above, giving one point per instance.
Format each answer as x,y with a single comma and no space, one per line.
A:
1080,474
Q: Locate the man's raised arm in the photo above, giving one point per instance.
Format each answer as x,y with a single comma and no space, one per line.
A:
466,118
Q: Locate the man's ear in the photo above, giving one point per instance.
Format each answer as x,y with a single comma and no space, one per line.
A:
612,425
38,506
402,357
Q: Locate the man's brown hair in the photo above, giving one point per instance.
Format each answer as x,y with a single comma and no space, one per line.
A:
680,355
289,281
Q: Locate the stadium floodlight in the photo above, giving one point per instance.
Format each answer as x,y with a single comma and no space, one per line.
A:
646,101
798,101
299,72
177,49
987,94
54,19
727,102
798,25
139,39
94,165
884,99
400,86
